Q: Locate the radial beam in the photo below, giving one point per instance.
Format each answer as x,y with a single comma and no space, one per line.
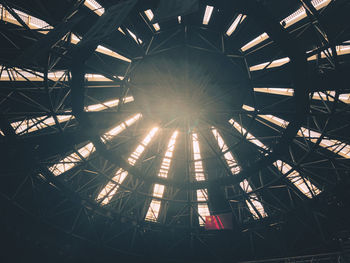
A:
202,194
109,191
255,206
335,146
158,189
302,183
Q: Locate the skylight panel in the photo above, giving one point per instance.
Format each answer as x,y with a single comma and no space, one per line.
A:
137,40
274,64
327,95
230,160
156,26
107,193
301,13
340,49
31,21
141,147
333,145
107,104
149,14
72,160
35,124
179,19
294,177
303,184
111,53
164,168
153,211
288,21
25,75
255,42
121,30
239,19
109,135
154,208
158,190
94,6
102,49
203,211
235,169
202,194
248,135
208,12
198,165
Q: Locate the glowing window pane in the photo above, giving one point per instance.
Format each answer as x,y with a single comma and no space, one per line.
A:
109,135
203,211
121,174
303,184
333,145
284,168
111,53
31,21
208,12
288,21
168,154
273,64
235,169
156,27
94,6
149,14
179,19
239,19
153,211
111,188
139,150
72,160
137,40
158,190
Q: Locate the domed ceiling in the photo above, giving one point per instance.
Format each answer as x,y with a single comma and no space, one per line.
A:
132,124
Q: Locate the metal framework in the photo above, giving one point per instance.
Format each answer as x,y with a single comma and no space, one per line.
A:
59,95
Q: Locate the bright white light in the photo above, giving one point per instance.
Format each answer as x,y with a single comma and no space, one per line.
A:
239,19
179,19
94,6
137,40
140,148
158,190
333,145
255,42
294,177
109,135
274,64
164,168
111,188
149,14
72,160
31,21
208,12
202,194
156,27
153,211
288,21
303,184
235,169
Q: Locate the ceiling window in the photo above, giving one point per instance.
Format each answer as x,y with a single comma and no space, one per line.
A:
254,205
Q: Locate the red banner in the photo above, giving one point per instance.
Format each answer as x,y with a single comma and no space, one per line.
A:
218,222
